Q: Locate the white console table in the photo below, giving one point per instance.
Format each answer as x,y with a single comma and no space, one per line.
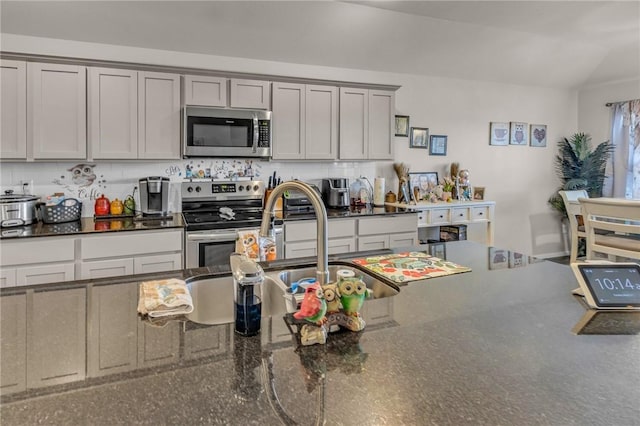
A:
453,213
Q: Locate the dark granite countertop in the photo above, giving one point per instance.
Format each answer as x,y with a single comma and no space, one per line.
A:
351,212
89,225
492,346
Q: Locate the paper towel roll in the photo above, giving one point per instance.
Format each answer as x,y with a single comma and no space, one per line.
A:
378,192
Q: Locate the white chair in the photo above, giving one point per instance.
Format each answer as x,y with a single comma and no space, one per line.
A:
574,211
612,226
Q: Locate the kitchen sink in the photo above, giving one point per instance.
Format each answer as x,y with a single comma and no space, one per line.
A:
304,276
213,299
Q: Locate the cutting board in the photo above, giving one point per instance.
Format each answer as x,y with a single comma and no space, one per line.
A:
410,266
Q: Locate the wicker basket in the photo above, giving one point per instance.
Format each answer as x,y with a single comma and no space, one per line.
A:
66,210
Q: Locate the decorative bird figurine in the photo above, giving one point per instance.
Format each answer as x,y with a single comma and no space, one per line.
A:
313,307
332,296
353,291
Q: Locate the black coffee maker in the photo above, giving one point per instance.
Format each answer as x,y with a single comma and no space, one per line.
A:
154,196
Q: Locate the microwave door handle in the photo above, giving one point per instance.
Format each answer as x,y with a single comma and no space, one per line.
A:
255,134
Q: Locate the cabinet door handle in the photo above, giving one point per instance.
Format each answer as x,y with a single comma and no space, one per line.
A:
480,214
441,216
461,214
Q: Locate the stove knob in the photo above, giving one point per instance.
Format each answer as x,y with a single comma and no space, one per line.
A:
256,187
189,189
248,187
198,189
240,188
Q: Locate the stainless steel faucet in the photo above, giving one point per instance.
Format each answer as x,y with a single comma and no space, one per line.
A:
322,272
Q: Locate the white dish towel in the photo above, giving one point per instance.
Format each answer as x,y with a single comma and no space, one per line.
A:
163,298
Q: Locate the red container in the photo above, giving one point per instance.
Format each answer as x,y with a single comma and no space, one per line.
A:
102,206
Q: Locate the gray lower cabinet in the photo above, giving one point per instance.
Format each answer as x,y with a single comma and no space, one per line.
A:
158,346
13,329
112,337
56,342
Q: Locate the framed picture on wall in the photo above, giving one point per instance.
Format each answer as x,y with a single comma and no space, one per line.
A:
538,136
419,137
437,145
498,258
478,192
402,125
499,133
519,133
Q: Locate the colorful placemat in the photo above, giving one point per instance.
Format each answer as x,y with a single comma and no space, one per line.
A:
410,266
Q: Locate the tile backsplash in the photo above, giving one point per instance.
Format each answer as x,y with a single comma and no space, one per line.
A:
86,180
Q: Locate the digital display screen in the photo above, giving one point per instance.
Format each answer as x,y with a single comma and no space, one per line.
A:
221,188
613,285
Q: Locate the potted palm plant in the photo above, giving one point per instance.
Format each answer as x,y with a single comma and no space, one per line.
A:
580,167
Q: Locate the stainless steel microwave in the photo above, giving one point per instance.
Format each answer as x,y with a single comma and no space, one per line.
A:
217,132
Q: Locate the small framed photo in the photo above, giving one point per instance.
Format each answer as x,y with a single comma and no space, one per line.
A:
419,137
438,250
422,184
402,125
437,145
517,260
519,133
499,133
478,193
538,136
498,258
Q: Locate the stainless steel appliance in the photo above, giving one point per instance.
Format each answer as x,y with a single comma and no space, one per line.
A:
217,132
296,202
214,213
17,210
154,196
335,193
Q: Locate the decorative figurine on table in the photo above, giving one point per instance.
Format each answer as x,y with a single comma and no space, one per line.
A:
313,309
335,304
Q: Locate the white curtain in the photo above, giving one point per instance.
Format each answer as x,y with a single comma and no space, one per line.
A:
625,165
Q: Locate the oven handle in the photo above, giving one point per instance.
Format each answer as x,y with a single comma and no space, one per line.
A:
213,237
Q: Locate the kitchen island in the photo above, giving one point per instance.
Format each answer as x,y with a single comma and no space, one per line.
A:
491,346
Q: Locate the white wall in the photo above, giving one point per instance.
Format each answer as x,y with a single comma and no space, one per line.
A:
520,179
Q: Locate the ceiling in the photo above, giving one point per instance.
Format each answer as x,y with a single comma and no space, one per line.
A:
565,44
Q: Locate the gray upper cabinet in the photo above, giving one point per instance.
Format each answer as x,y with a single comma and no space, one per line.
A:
13,109
113,113
288,121
382,107
255,94
158,116
305,122
321,122
354,123
204,90
56,111
133,115
366,123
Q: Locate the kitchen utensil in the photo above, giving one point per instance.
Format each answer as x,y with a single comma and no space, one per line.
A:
129,205
116,207
390,197
17,210
102,206
335,192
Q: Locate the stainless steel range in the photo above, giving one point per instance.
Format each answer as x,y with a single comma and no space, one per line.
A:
214,213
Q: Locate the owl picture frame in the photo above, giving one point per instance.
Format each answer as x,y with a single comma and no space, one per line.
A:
538,135
518,133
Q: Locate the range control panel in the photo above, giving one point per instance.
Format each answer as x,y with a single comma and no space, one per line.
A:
195,189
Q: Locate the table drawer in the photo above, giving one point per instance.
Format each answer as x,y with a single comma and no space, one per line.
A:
460,215
440,216
480,214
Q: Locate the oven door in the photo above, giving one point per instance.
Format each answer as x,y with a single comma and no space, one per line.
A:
213,248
